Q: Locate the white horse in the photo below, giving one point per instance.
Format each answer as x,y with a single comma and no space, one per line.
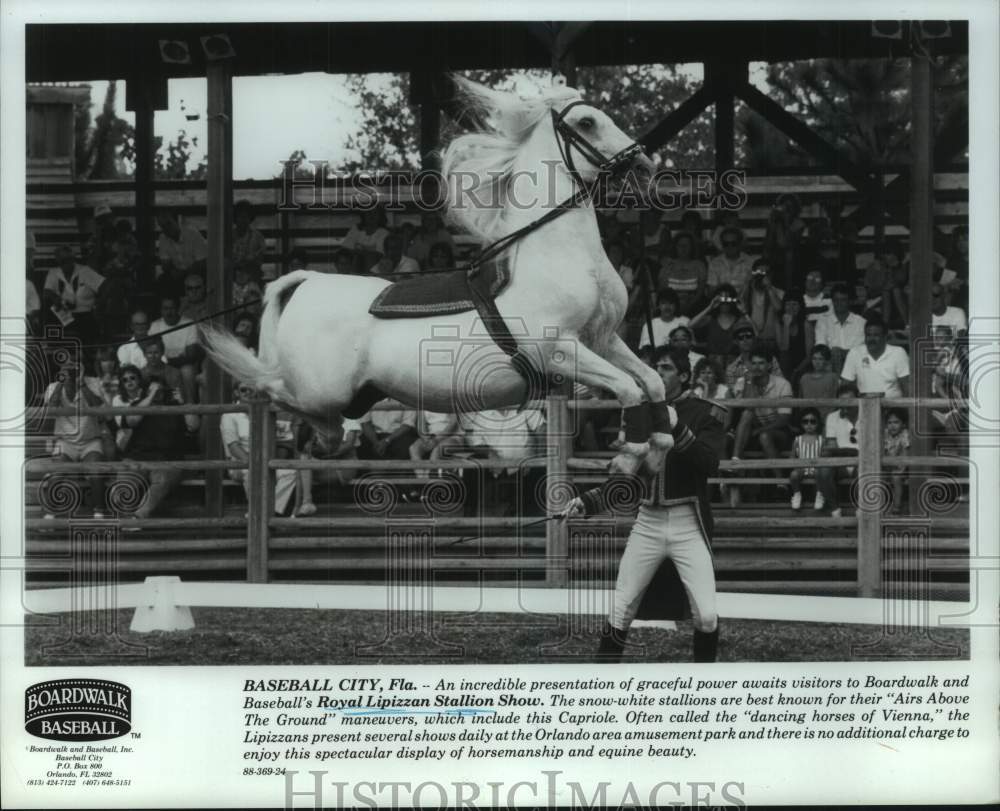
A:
321,352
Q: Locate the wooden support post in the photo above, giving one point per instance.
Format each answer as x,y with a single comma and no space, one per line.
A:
721,78
871,487
145,193
285,240
220,230
430,135
260,489
921,251
559,444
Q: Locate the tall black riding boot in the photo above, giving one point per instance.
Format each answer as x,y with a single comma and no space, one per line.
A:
706,645
612,644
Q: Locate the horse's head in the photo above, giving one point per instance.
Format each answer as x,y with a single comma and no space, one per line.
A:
591,143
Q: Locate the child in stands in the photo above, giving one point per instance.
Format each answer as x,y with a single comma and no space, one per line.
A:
807,446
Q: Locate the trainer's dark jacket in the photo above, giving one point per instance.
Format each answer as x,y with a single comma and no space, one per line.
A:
699,442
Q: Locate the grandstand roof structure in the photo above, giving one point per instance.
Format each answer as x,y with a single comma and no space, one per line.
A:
70,52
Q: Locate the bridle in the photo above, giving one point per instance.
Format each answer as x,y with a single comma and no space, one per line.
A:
567,138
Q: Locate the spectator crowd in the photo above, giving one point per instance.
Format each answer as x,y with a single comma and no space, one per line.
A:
796,317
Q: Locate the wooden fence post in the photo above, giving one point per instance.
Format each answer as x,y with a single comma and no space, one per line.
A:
260,489
873,495
559,446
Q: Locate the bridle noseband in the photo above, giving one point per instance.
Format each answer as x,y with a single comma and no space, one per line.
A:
567,138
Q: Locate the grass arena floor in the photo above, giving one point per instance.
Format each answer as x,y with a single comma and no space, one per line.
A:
224,636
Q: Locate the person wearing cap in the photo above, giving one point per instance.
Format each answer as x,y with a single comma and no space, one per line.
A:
732,266
666,570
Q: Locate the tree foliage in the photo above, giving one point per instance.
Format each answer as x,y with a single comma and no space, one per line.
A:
861,107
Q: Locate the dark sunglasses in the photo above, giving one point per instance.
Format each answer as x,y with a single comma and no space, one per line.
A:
744,336
127,378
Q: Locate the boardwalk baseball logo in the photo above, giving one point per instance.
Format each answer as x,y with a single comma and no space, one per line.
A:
78,709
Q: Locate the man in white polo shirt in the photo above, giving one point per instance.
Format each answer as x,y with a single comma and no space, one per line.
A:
876,367
841,330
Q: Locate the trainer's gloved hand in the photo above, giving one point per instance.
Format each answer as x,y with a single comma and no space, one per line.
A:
575,509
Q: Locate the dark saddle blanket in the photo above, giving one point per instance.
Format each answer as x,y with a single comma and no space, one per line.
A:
441,293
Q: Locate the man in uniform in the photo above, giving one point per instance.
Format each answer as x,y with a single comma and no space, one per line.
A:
666,569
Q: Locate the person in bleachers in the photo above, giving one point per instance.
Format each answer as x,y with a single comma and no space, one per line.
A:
879,272
714,326
708,382
116,297
393,264
388,434
945,318
738,369
248,243
654,233
441,257
761,303
181,347
820,381
130,353
246,291
154,437
432,232
33,300
155,368
340,443
245,330
681,339
685,272
78,438
950,380
435,434
99,249
764,427
235,430
732,266
896,301
896,442
841,330
793,336
840,438
366,237
74,292
181,248
783,238
815,301
877,367
666,320
807,446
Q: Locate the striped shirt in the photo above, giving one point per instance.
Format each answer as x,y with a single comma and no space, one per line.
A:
808,446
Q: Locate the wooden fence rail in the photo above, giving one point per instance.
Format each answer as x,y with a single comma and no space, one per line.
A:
559,463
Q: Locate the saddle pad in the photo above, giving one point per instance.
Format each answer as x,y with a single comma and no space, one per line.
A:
440,293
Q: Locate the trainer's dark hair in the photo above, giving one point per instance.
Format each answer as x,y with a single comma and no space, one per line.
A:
680,360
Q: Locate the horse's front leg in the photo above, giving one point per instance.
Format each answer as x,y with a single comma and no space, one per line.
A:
577,362
663,416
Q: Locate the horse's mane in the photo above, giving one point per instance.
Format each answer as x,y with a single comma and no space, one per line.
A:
507,121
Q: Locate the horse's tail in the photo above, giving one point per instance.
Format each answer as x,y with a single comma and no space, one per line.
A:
262,371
